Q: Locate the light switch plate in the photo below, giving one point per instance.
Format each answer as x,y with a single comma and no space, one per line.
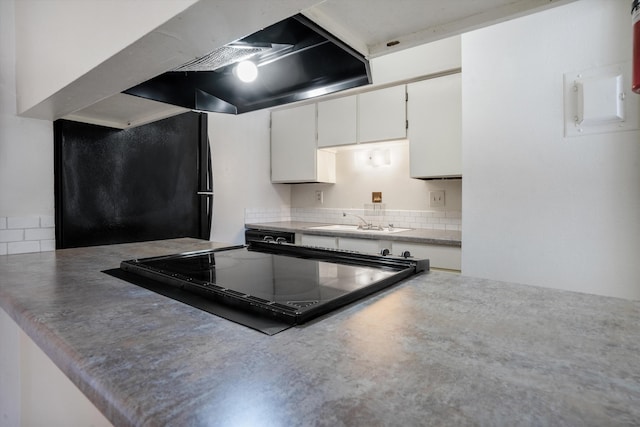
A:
436,198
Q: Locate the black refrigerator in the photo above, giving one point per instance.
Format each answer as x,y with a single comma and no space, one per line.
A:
149,182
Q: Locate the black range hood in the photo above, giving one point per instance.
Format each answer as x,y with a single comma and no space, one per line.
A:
296,60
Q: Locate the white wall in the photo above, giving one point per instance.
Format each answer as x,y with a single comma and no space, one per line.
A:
59,41
539,208
240,153
33,390
26,145
10,390
356,181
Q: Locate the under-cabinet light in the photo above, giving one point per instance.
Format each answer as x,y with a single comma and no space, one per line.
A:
379,157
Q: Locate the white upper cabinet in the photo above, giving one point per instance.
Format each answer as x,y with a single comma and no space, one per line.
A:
382,114
337,121
435,127
299,134
417,62
294,154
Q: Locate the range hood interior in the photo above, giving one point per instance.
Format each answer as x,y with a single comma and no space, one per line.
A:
296,60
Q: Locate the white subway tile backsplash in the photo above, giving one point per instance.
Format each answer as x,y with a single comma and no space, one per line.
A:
27,234
47,221
23,222
11,235
39,234
23,247
47,245
450,221
267,214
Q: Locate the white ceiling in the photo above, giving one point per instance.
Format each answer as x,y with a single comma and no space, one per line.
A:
368,25
365,25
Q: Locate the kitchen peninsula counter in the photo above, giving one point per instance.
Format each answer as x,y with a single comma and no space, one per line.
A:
416,235
437,349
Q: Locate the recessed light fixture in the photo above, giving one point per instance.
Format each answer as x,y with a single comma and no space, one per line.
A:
246,71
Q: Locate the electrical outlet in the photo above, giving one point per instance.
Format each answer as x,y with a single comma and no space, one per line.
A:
436,198
319,196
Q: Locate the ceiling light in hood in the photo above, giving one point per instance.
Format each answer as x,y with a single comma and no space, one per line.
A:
246,71
297,60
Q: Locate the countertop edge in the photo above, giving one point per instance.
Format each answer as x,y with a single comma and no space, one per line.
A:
438,237
67,360
70,362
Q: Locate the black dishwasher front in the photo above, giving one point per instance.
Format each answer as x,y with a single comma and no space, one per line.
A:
252,235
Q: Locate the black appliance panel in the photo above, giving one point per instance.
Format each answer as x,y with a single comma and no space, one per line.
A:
119,186
252,235
288,282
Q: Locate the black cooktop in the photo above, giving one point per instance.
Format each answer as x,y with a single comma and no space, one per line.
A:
287,282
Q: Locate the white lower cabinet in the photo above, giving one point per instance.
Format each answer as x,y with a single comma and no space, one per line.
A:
369,246
447,257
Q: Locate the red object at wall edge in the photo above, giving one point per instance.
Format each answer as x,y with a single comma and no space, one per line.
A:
635,19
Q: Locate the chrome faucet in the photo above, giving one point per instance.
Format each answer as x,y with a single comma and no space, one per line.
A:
364,226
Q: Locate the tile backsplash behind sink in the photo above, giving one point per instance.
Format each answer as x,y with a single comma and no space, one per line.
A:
434,220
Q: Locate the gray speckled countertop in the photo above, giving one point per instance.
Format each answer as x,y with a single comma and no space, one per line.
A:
417,235
438,349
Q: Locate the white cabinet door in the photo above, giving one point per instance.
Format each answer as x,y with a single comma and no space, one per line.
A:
447,257
434,110
294,153
382,114
337,121
293,144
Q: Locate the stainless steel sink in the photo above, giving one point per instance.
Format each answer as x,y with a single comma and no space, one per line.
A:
344,227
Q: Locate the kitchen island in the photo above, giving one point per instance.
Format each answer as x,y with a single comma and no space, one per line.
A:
437,349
